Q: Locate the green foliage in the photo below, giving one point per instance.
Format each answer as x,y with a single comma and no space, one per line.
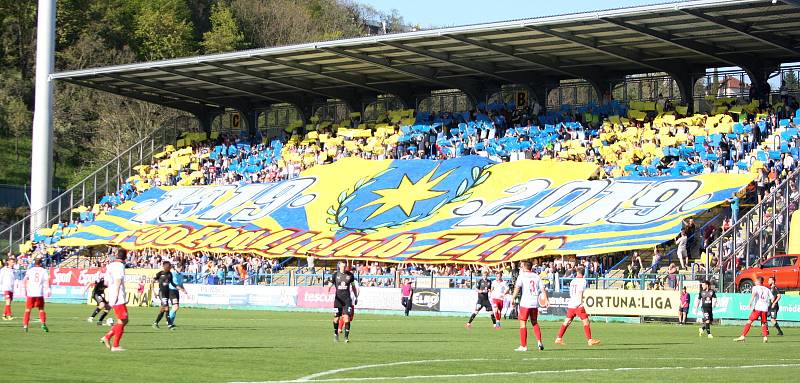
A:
163,30
224,35
91,127
791,80
16,170
7,215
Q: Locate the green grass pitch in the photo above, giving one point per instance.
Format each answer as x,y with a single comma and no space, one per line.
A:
260,346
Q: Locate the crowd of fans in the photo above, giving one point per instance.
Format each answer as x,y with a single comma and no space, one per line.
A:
243,269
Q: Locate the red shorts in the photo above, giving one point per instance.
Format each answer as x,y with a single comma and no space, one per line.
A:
121,311
580,312
498,303
525,313
758,315
8,295
32,302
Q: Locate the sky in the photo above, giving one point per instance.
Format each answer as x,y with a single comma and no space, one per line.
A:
442,13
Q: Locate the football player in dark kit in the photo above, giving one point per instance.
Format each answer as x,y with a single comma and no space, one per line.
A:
707,300
482,287
773,307
99,296
164,280
343,281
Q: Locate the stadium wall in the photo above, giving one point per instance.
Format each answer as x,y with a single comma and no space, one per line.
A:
616,303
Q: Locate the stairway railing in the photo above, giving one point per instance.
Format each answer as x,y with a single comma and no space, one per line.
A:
758,234
106,179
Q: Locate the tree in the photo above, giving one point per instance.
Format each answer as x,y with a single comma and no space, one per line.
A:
791,80
17,42
225,34
273,23
18,119
163,30
395,22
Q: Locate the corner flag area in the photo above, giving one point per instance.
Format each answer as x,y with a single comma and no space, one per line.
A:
256,346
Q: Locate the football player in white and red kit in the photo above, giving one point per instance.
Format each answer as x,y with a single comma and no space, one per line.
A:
760,302
37,286
575,308
532,289
496,294
7,286
116,297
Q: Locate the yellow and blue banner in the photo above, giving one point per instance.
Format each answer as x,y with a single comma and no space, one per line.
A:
466,209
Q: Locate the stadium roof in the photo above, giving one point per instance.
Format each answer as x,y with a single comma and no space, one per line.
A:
679,37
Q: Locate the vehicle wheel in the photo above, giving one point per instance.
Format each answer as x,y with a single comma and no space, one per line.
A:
745,286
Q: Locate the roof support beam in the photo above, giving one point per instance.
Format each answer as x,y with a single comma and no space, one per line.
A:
612,51
744,30
158,87
214,81
237,88
693,46
303,86
481,68
340,77
158,100
386,64
553,65
795,3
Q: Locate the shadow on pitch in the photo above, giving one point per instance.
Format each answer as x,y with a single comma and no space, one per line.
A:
416,341
653,344
216,348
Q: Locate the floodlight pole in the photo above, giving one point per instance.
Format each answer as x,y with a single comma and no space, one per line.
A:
42,143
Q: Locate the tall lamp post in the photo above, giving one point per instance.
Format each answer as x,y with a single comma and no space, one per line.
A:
42,144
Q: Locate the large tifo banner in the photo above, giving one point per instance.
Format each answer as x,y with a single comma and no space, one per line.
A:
464,210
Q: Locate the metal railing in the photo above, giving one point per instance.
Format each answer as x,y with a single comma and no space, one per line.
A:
641,282
106,179
758,234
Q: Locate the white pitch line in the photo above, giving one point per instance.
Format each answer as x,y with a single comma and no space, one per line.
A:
516,373
363,367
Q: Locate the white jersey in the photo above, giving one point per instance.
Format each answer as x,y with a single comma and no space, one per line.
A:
6,279
763,298
37,280
576,288
531,286
115,272
499,289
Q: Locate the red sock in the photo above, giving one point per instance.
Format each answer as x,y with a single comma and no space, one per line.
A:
497,314
42,316
120,330
111,332
26,318
341,324
764,330
562,331
537,331
746,329
7,311
523,336
587,331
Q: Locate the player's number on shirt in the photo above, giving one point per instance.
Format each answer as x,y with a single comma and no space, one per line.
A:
533,288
